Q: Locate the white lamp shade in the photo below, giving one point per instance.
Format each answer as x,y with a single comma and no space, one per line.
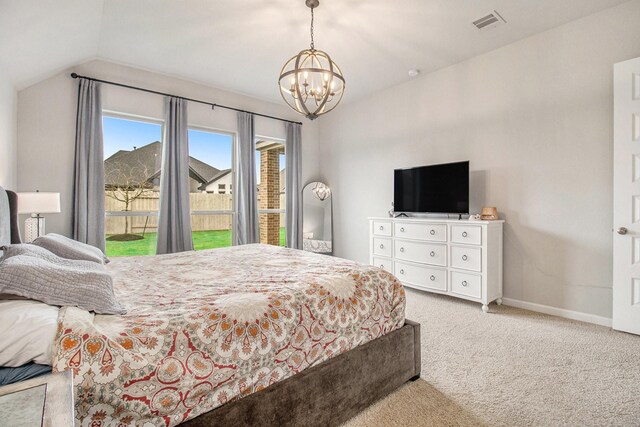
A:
38,202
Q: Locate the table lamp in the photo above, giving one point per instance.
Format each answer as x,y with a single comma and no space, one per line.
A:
36,203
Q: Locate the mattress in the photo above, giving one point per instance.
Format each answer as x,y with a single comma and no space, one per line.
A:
205,328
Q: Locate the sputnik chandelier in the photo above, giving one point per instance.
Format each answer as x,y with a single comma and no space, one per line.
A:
310,82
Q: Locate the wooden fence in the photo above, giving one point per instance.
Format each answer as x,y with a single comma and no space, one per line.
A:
149,202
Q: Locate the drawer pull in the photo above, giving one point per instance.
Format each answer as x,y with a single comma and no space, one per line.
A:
432,253
464,257
401,271
381,227
401,249
464,234
381,265
402,229
432,232
381,246
433,278
464,283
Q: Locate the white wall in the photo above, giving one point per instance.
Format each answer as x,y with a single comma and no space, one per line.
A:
8,124
535,120
46,124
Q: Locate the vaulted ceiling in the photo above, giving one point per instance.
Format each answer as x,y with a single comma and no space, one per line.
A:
241,45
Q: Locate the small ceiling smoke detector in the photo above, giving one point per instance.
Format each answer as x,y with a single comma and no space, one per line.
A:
490,21
414,72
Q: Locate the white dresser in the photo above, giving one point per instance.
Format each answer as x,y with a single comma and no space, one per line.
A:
460,258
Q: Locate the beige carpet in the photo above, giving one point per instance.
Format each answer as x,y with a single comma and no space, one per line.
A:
512,367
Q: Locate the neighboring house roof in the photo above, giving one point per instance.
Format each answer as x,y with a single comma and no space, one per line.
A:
203,169
142,165
215,178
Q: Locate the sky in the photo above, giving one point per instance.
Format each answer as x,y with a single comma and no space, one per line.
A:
209,147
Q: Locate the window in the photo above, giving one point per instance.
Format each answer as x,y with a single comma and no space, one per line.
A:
133,155
270,168
210,172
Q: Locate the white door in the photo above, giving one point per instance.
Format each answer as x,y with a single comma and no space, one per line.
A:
626,197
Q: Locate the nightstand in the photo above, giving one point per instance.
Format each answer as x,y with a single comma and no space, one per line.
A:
43,401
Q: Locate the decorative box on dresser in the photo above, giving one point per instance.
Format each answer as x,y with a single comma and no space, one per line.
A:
460,258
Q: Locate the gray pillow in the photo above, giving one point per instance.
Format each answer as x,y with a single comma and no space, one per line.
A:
28,249
68,248
25,249
19,249
85,285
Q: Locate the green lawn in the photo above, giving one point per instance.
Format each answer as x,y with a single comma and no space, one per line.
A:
201,240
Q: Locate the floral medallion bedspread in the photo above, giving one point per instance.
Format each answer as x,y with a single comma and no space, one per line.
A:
204,328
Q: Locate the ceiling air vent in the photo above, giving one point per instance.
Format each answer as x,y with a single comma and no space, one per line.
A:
491,20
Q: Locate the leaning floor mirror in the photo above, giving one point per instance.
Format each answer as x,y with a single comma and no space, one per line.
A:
317,218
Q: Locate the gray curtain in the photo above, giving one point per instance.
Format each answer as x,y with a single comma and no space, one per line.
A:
245,194
88,180
174,224
293,187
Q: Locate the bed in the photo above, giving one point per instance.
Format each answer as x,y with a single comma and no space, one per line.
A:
249,335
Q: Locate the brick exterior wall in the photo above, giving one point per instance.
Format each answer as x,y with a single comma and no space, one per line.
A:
269,196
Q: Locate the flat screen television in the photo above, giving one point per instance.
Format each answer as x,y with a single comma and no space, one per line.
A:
442,188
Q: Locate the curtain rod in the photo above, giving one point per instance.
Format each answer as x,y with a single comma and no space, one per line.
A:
213,105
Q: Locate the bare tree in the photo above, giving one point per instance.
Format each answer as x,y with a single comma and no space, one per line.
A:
126,183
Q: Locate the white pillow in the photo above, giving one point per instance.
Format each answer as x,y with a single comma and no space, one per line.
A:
27,332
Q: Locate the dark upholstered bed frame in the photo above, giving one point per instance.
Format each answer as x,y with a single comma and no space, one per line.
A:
324,395
332,392
12,215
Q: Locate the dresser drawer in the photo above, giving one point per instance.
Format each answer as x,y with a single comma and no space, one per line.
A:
412,230
382,228
466,258
383,263
382,247
466,284
427,277
468,234
428,253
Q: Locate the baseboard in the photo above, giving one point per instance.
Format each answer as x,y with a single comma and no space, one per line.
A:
560,312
